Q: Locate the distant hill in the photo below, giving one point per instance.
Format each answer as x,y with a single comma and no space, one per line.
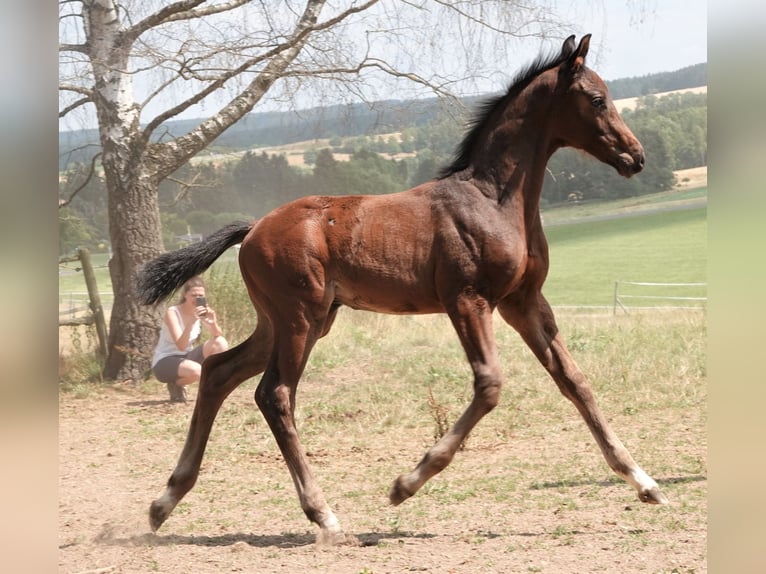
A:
688,77
278,128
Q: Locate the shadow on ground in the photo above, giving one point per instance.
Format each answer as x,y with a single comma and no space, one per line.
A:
285,540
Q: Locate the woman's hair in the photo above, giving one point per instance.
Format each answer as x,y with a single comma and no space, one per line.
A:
195,281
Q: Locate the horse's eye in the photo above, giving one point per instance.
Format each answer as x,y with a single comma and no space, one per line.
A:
598,102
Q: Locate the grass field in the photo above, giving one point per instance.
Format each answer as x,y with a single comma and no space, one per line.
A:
530,492
571,212
588,257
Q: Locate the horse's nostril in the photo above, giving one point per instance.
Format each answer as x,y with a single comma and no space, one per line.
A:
638,161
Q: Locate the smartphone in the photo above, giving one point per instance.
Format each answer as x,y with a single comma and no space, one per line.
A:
202,302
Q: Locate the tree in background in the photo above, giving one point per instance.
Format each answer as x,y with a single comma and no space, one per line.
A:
136,64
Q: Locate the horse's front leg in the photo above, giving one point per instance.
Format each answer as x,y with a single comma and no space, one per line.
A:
534,321
472,319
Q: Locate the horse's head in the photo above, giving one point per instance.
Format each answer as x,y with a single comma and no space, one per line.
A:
586,116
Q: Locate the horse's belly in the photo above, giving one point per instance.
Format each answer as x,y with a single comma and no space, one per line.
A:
386,297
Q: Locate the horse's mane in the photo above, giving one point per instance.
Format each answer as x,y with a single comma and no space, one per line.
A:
485,110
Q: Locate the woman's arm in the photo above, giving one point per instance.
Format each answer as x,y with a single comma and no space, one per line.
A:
178,332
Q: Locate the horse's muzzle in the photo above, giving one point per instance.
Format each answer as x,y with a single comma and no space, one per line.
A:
629,164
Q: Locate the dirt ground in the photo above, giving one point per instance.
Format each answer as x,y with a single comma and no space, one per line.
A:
500,507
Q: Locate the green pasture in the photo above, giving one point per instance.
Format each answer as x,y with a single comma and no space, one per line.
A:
71,278
571,212
587,257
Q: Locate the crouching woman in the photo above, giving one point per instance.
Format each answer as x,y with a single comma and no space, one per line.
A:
177,361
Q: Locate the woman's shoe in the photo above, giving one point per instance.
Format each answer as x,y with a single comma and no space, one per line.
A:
177,393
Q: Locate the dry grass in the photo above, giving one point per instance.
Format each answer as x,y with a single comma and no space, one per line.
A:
530,492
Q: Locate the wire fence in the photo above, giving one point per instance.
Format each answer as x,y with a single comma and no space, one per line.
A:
88,309
649,295
74,304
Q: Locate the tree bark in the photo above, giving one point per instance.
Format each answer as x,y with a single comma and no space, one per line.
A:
134,229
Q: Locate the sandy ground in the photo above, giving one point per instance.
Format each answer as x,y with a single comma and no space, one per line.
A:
500,507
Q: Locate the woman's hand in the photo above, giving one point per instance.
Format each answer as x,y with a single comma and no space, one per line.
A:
208,318
201,311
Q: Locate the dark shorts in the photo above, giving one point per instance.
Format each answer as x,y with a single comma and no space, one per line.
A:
166,369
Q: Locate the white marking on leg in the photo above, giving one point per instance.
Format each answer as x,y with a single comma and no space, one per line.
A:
640,480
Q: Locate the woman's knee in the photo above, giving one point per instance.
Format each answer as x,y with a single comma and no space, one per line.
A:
216,345
189,372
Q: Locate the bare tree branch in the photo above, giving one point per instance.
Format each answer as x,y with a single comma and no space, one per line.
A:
303,30
481,22
81,48
219,9
74,106
158,18
77,89
91,171
183,10
112,50
376,63
186,186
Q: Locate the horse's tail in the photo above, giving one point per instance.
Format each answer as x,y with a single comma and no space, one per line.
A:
160,277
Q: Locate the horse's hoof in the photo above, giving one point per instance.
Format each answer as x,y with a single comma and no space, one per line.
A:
158,513
398,493
652,496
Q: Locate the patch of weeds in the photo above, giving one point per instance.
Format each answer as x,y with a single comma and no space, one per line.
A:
564,535
395,523
182,509
433,488
439,412
464,495
78,372
478,539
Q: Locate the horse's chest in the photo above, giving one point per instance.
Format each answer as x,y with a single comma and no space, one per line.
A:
502,265
493,263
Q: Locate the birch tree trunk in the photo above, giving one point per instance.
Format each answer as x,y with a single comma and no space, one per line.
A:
134,222
134,168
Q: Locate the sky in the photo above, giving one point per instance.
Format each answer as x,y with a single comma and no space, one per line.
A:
630,38
639,37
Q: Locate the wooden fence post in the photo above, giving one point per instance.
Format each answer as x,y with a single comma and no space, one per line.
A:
95,300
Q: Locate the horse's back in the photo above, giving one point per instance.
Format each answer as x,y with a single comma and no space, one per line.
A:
372,251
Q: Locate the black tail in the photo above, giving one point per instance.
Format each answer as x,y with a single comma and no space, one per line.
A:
159,278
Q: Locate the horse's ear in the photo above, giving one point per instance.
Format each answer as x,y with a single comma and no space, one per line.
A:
577,57
568,47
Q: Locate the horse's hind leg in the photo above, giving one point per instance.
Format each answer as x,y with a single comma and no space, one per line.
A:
535,323
472,320
221,374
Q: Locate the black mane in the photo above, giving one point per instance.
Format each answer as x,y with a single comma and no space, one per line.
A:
485,111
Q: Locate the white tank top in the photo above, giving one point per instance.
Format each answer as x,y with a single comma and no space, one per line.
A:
166,346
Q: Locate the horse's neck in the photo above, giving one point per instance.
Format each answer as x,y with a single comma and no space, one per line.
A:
519,151
517,178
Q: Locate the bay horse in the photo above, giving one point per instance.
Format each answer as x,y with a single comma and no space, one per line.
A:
466,243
